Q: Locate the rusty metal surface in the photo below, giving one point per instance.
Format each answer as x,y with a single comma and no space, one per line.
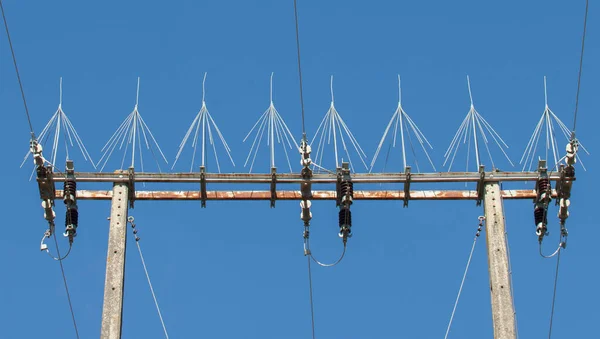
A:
295,195
293,178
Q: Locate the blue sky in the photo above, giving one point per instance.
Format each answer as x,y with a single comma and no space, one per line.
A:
237,270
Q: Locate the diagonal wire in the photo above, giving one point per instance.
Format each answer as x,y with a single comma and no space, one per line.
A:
62,270
310,287
299,69
580,66
554,294
152,289
12,51
462,282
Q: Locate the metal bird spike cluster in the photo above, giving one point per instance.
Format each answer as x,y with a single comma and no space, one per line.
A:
546,126
403,123
132,133
58,123
201,128
277,130
329,129
473,129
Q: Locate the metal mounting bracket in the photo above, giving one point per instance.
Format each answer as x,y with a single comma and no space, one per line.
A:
273,186
338,187
45,179
481,185
560,184
203,186
408,176
131,184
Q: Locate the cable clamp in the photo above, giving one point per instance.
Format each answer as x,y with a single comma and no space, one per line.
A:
273,186
131,184
481,185
203,186
408,177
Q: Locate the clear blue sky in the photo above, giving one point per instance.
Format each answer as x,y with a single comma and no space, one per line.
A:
237,270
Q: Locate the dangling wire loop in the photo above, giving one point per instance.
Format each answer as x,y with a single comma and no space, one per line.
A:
308,252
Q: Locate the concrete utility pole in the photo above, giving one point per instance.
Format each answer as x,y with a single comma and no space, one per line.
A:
112,311
503,312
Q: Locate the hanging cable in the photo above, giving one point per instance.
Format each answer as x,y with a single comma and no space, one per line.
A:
137,242
299,71
308,252
554,295
477,234
310,289
580,68
62,270
12,51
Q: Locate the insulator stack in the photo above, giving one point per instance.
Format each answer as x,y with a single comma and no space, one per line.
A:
70,190
544,195
345,193
70,200
346,189
305,186
539,215
345,217
72,219
543,185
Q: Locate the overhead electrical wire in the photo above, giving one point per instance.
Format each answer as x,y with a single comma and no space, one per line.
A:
580,67
305,142
62,270
12,51
312,309
587,5
299,70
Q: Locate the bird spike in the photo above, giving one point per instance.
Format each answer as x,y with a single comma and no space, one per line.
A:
203,122
472,129
330,126
403,123
548,125
133,132
58,123
277,131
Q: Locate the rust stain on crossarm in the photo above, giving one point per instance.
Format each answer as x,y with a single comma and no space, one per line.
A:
295,195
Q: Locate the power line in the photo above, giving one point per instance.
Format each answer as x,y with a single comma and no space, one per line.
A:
62,270
554,294
299,70
12,51
312,310
580,67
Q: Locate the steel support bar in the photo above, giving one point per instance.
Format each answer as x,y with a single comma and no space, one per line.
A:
293,178
112,310
503,312
296,195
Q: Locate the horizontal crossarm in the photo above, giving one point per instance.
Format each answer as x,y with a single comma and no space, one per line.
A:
296,195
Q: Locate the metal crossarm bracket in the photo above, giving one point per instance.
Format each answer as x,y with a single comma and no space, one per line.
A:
131,184
338,183
481,185
407,185
306,185
203,186
273,186
560,183
45,179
